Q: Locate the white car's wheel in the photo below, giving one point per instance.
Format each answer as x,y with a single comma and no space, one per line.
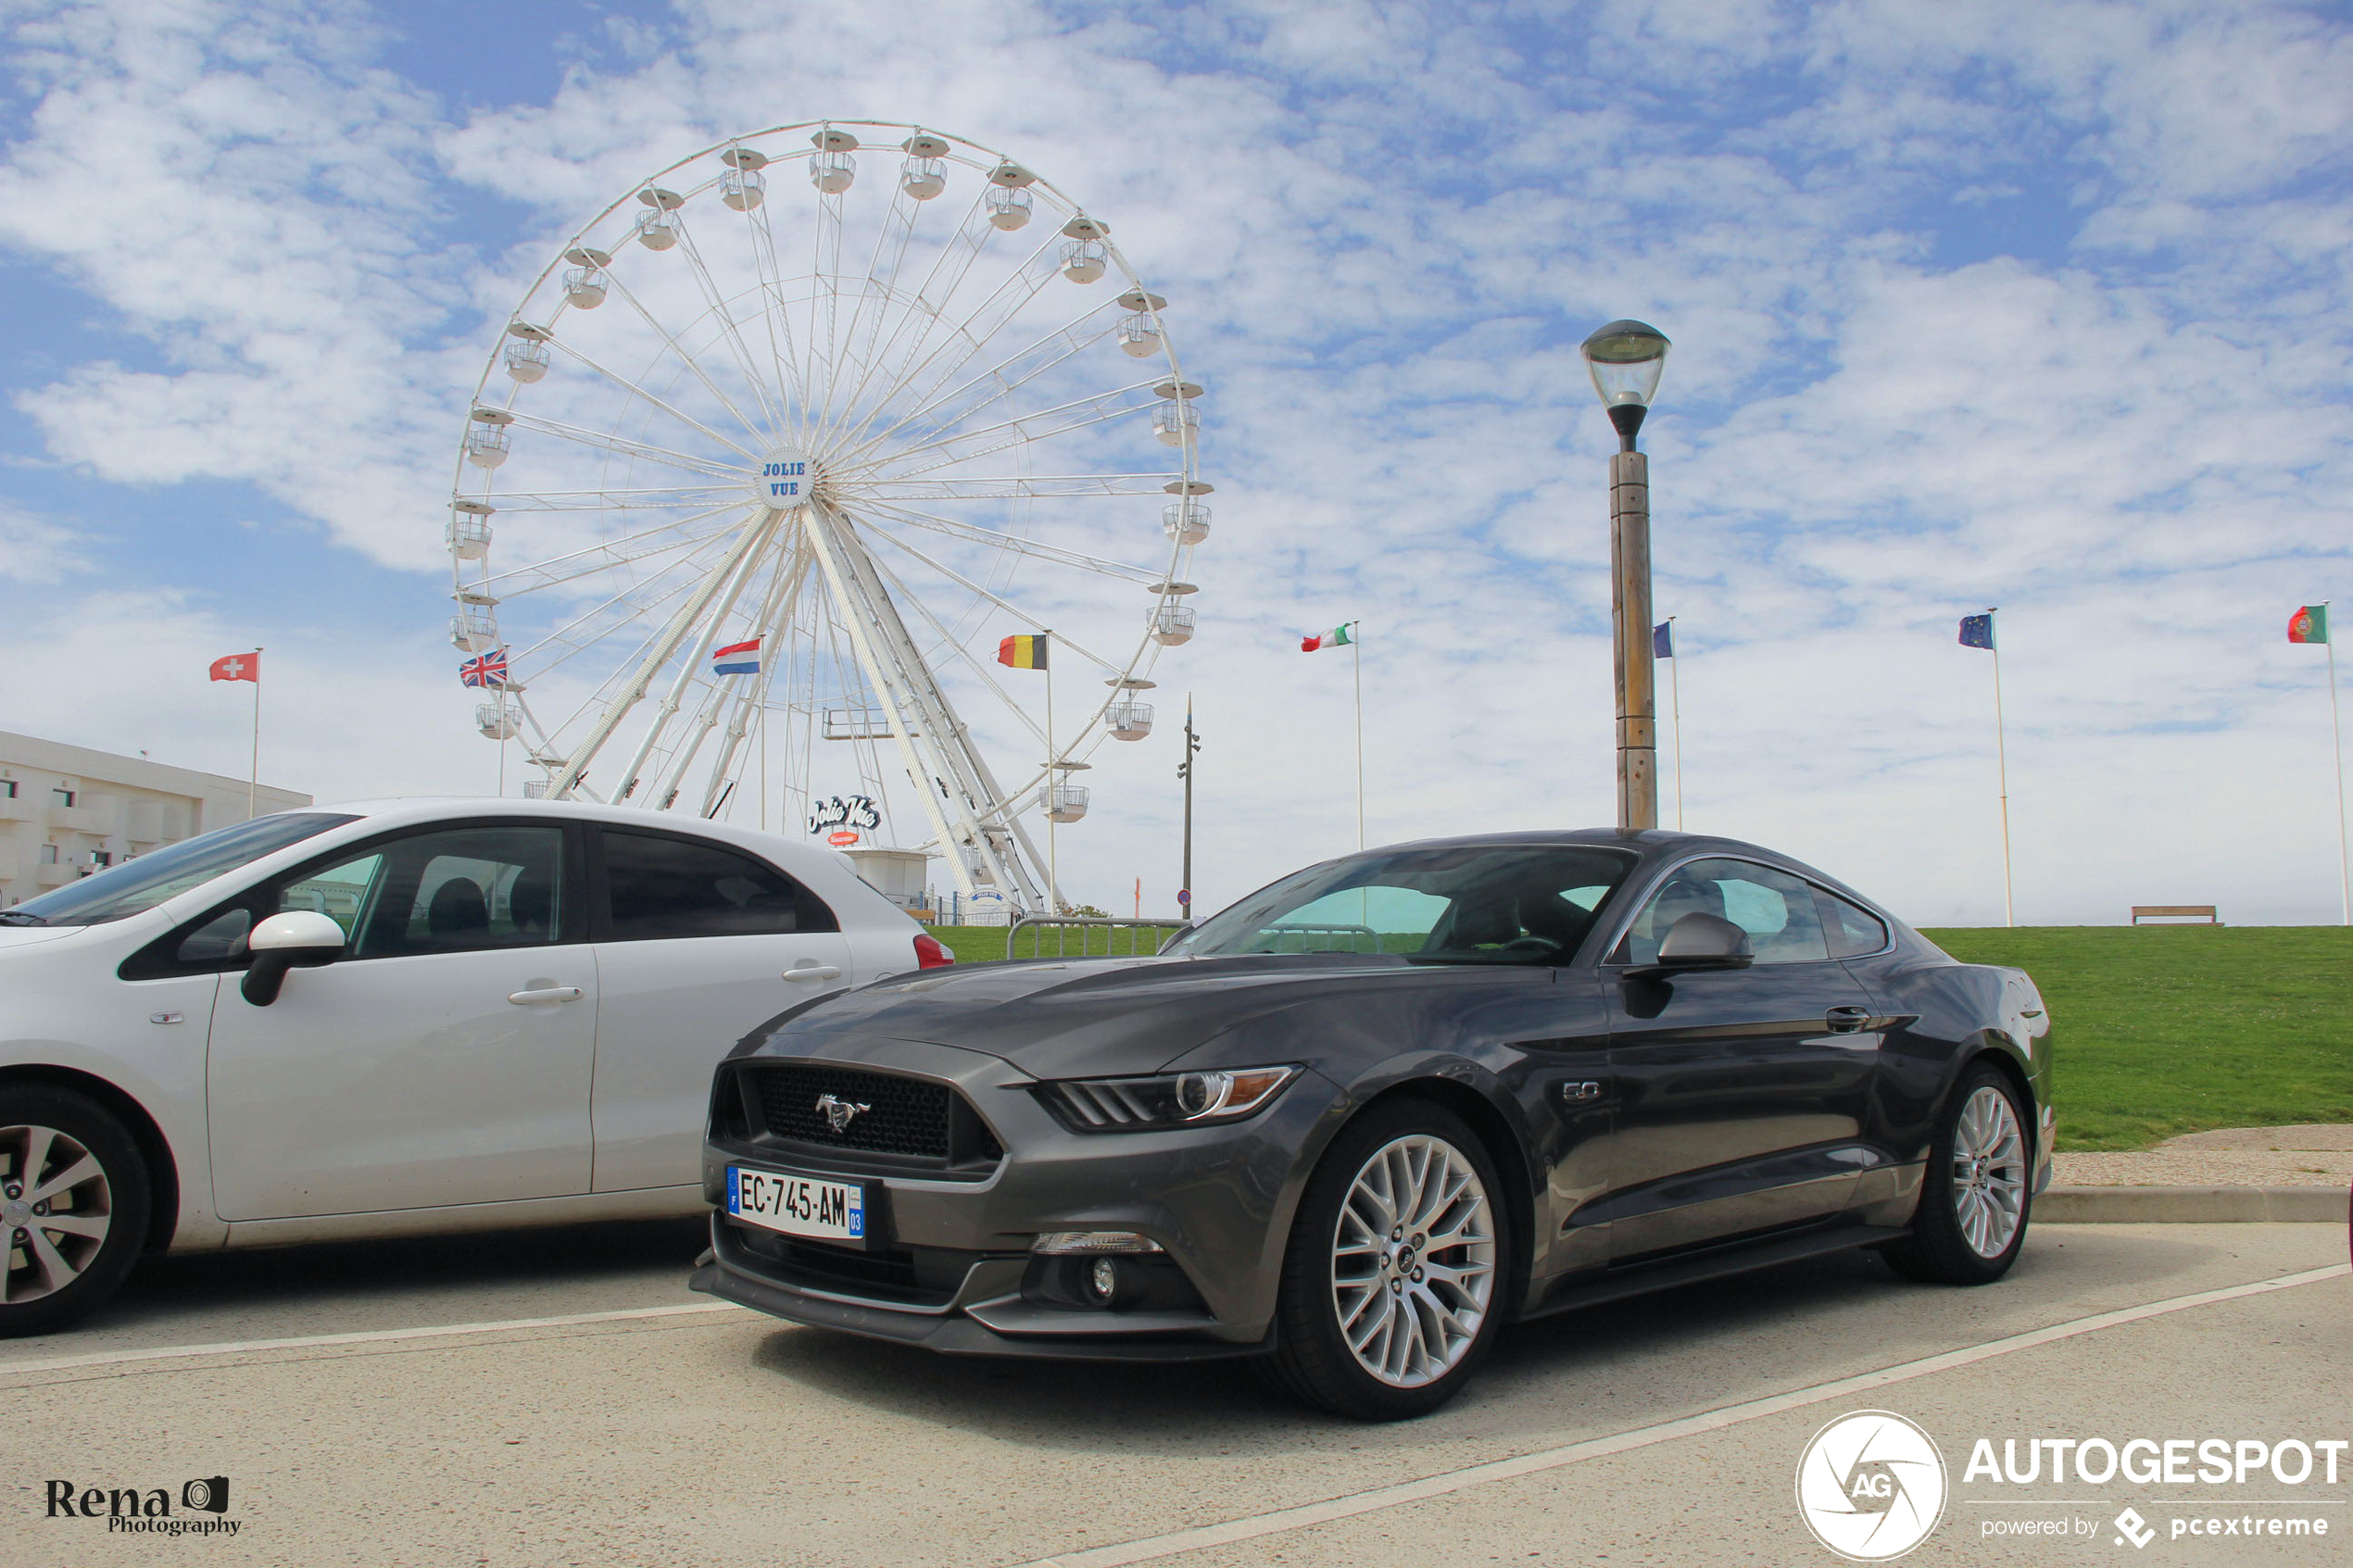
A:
73,1207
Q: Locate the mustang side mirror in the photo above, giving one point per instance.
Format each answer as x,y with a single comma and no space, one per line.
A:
298,939
1699,941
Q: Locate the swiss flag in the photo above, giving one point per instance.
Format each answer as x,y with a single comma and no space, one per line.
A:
238,667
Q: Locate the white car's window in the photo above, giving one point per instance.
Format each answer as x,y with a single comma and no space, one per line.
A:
451,890
145,881
1776,910
658,886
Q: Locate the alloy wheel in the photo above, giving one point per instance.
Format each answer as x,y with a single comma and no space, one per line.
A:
57,1207
1414,1261
1988,1171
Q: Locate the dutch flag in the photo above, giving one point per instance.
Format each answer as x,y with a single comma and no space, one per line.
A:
736,658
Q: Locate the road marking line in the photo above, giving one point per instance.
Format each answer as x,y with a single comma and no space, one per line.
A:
372,1337
1250,1528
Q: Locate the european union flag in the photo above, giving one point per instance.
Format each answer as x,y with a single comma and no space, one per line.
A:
1663,640
1977,631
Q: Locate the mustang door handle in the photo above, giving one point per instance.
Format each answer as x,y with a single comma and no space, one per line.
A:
813,972
544,993
1847,1021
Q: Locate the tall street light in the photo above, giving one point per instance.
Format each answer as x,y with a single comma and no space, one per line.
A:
1626,358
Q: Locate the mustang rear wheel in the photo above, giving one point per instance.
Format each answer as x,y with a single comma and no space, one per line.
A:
1978,1189
73,1207
1395,1278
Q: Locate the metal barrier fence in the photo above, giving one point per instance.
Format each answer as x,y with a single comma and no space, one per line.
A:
1143,937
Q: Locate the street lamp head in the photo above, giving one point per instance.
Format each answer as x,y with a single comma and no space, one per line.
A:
1626,358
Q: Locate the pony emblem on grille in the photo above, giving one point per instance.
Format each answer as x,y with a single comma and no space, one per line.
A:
839,1112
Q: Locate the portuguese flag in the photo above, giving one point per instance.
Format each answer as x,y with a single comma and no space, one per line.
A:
1023,652
1338,638
2310,624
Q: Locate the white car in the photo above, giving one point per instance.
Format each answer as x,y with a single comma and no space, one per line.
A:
391,1018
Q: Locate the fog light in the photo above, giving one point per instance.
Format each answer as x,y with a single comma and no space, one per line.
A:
1103,1281
1059,1243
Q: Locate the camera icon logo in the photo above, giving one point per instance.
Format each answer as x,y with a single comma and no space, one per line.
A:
208,1494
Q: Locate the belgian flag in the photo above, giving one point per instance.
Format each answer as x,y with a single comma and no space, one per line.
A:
1023,652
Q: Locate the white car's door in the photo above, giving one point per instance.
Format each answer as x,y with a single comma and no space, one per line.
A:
445,1058
701,944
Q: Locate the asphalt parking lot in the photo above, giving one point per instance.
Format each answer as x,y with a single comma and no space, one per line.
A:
398,1428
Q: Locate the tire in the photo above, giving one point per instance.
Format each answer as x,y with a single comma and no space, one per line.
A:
1978,1192
53,1272
1367,1324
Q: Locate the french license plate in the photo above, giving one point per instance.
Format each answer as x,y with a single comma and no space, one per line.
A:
797,1205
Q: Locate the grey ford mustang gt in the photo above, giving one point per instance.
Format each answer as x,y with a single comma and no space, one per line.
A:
1362,1119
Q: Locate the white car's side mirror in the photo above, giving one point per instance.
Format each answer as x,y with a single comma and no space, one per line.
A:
296,939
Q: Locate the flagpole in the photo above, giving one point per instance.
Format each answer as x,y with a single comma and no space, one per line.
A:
2002,766
2336,734
1675,698
1054,783
1357,647
253,781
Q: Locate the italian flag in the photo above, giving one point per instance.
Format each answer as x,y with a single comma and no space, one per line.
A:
1338,638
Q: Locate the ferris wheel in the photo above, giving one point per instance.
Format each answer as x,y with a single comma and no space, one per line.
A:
760,481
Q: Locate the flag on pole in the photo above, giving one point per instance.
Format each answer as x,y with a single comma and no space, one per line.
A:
1026,651
2310,624
1977,631
1338,638
1663,640
736,658
238,667
486,670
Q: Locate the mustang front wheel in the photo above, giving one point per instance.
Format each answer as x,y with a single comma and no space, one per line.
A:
1394,1283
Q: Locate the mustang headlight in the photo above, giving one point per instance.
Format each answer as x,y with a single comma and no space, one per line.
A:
1163,1100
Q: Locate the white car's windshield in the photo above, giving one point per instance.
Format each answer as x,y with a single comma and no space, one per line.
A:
1470,903
143,883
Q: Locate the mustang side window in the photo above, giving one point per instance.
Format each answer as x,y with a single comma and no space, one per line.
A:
1776,910
1853,931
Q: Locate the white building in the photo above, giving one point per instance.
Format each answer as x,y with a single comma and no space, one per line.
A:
65,810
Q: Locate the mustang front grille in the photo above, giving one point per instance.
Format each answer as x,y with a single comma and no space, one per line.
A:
846,1109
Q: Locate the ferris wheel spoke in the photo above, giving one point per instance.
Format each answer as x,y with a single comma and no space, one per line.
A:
825,302
635,391
1002,487
948,272
969,585
639,598
751,696
603,556
875,291
693,362
1042,425
997,308
870,355
965,655
776,317
616,500
625,446
715,299
993,383
974,534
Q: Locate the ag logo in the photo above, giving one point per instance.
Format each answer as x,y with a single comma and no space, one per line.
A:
1870,1485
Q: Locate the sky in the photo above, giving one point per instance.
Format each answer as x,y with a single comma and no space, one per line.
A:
2038,306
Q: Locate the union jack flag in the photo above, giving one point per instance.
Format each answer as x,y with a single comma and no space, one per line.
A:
486,670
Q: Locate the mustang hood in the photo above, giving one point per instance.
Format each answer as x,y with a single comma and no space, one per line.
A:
1067,1018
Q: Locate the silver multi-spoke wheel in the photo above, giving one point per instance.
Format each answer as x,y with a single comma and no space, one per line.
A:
56,1209
1988,1171
1414,1261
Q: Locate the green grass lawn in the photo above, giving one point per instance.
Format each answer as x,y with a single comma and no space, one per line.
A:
976,944
2161,1029
2172,1029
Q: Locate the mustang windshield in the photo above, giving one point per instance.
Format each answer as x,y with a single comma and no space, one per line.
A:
140,884
1478,904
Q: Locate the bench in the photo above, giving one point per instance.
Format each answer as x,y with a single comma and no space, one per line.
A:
2174,912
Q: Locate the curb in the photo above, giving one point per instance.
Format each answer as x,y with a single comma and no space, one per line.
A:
2217,1205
